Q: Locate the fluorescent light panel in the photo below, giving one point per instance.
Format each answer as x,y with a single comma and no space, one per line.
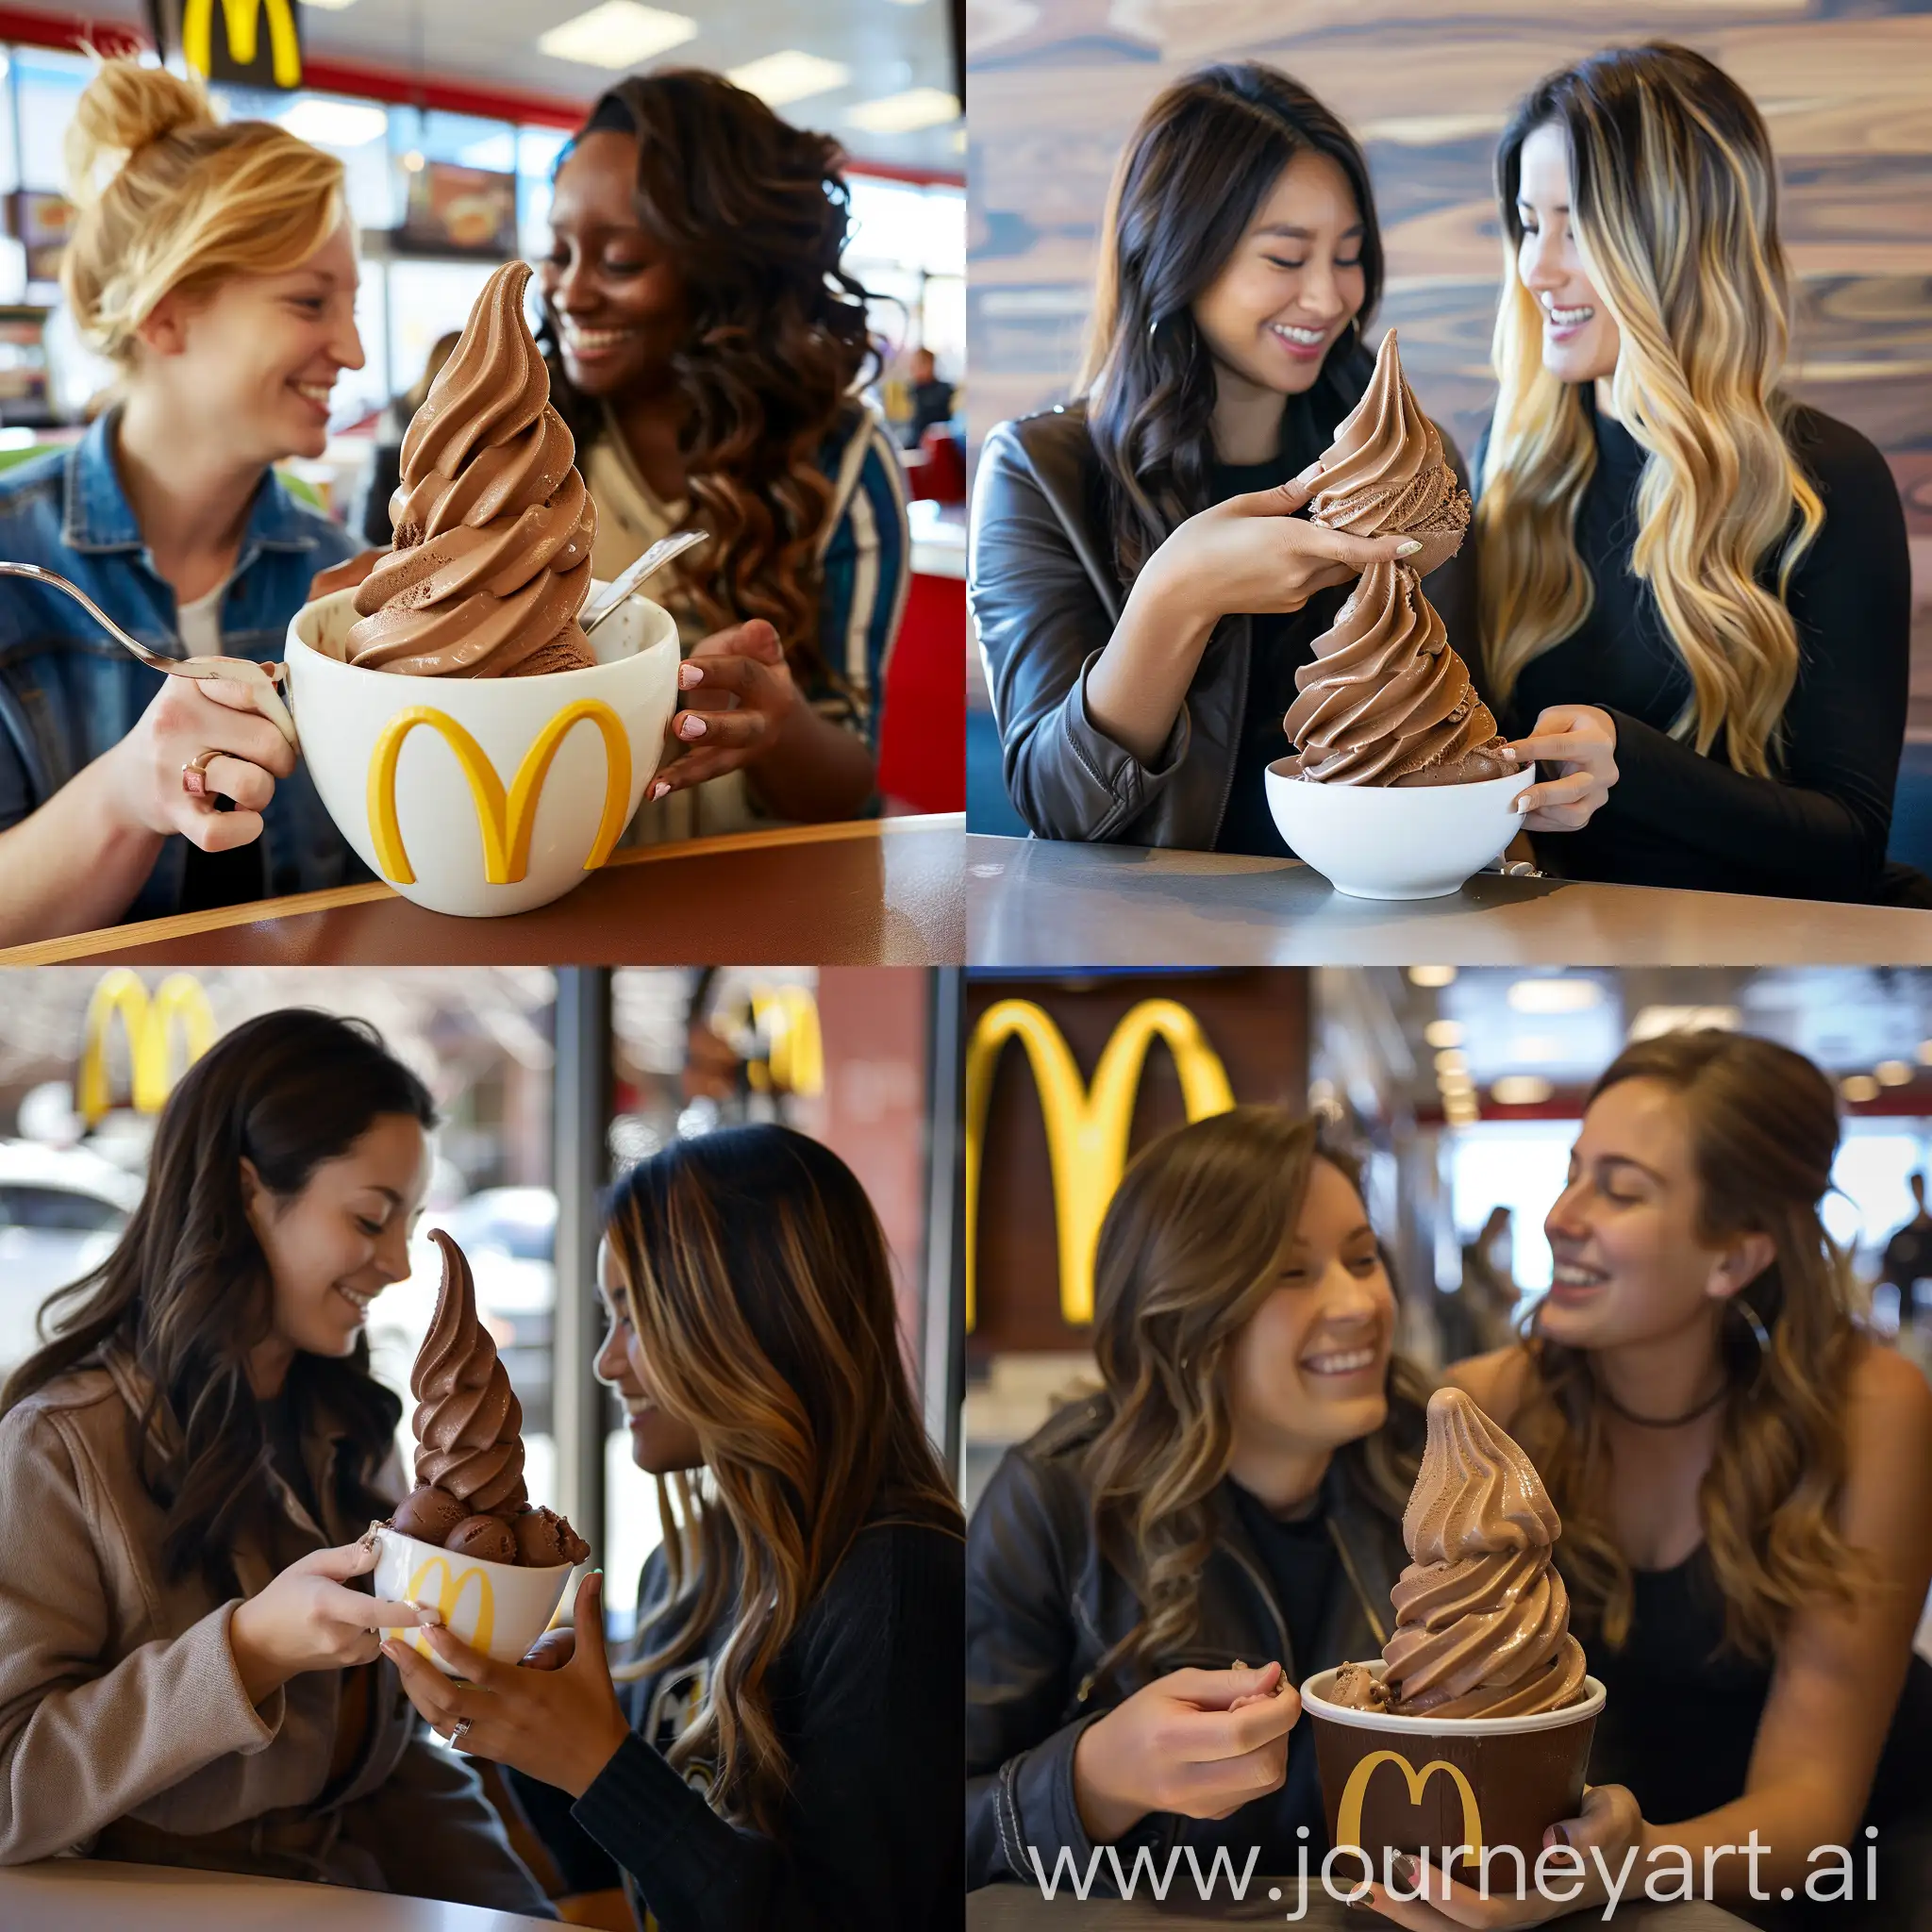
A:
335,123
919,106
618,34
778,79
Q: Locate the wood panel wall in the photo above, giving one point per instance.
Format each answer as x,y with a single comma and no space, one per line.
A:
1056,86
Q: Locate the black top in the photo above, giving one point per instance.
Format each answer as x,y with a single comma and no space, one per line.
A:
1908,1255
1674,818
867,1700
1301,1565
212,879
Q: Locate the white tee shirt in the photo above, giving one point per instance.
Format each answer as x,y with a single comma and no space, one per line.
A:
200,623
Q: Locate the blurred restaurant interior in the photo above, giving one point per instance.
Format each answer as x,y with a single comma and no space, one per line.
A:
548,1085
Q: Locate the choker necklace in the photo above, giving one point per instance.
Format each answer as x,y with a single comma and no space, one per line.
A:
1663,1421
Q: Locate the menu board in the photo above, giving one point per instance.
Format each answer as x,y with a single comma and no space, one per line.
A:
41,221
470,211
23,358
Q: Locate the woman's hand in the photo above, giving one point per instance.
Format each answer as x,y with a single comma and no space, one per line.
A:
1607,1838
1580,741
1200,1742
1255,554
189,718
308,1619
346,574
738,698
559,1721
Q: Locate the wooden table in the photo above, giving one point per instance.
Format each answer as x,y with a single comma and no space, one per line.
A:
101,1895
870,892
1039,902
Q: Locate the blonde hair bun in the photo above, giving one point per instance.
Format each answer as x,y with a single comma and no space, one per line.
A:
120,110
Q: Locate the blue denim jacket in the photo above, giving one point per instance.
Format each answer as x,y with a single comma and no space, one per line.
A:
68,692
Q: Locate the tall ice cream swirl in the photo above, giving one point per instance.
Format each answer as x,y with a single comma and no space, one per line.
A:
1386,700
1482,1619
494,526
469,1424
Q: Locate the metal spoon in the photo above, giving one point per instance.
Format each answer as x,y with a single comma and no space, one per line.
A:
655,558
237,669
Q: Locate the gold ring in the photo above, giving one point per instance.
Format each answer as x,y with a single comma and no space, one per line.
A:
194,773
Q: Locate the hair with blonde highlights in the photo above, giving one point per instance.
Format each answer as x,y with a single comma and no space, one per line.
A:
172,200
1191,1246
1673,194
1763,1128
758,1286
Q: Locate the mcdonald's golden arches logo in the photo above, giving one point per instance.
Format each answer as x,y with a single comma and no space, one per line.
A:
1087,1129
449,1598
787,1020
1348,1817
507,821
238,57
179,1008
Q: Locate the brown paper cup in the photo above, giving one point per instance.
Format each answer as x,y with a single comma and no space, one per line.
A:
1406,1784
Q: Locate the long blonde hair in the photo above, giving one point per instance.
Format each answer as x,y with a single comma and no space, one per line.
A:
173,199
1673,197
1191,1248
1763,1124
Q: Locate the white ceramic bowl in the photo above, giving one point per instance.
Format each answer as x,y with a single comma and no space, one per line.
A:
1396,841
439,783
499,1609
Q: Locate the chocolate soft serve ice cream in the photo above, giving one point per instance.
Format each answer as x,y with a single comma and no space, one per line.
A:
1482,1618
493,524
470,1496
1386,701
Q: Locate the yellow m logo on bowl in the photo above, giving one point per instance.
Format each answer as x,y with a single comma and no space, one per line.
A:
506,820
449,1598
1348,1820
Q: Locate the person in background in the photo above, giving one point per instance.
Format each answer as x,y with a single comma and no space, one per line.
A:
214,266
706,347
932,399
1909,1253
784,1755
189,1672
385,460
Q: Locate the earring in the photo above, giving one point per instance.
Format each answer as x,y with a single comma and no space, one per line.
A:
1760,1334
1154,326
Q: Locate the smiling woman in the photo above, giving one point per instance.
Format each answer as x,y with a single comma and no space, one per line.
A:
213,265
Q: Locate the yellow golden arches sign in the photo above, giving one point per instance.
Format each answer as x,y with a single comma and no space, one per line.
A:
1087,1129
506,822
449,1597
241,24
1348,1818
177,1006
787,1018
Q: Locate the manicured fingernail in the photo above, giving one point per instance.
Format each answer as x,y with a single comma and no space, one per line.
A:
690,676
391,1649
1558,1835
660,790
1402,1866
1310,474
1408,549
1523,802
428,1612
692,727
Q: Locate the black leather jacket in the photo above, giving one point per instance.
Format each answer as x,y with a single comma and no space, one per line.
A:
1045,598
1043,1606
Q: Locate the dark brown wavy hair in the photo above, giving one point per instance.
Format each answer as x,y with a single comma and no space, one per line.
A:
1187,184
1764,1131
756,213
1191,1246
187,1294
758,1286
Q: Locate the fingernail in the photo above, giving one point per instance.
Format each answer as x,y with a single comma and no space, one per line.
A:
691,676
1558,1835
1403,1865
1408,549
391,1649
693,727
1310,474
659,789
428,1612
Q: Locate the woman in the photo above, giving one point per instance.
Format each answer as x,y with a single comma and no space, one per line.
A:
1152,1573
215,268
788,1752
1745,1484
705,349
1713,575
188,1674
1143,588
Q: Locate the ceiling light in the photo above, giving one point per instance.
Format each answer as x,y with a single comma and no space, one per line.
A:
1859,1088
1925,1053
1446,976
919,106
1521,1089
1652,1021
620,33
414,160
1555,995
1452,1063
334,123
1893,1073
778,79
329,6
1535,1046
1443,1033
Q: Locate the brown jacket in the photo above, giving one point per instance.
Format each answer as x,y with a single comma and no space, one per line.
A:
125,1730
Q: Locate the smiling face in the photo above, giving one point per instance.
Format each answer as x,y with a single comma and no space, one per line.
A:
660,1444
1580,337
261,354
618,298
1630,1263
1293,285
1308,1371
337,1243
